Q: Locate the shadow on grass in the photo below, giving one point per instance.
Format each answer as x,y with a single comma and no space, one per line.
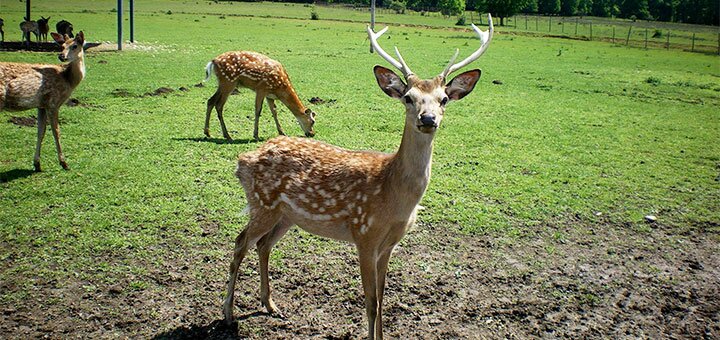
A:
214,330
215,140
9,176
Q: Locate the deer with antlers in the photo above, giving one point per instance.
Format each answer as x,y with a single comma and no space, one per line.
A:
265,76
45,87
366,198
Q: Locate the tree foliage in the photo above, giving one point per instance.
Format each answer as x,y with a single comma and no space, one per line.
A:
501,8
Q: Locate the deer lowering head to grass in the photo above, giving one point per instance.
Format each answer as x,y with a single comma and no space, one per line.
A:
261,74
28,26
365,198
44,87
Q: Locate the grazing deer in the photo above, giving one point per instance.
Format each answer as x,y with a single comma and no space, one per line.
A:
45,87
64,27
28,26
366,198
261,74
43,27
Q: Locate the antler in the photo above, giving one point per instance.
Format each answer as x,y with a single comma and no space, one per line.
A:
485,38
401,65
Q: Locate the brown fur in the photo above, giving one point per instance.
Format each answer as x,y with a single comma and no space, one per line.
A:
265,76
45,87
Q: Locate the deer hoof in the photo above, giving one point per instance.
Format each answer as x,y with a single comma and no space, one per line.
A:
37,166
64,165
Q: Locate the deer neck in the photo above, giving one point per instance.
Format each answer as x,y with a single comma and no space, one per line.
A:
410,167
75,71
292,101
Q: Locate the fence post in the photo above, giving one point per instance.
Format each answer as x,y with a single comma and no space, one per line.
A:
627,41
591,31
693,43
576,25
526,27
549,24
537,28
562,28
613,37
667,45
646,38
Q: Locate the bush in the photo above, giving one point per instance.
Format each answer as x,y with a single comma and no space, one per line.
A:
398,6
653,81
314,15
460,21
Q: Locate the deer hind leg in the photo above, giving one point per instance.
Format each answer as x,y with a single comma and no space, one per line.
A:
263,249
224,90
260,224
210,105
273,109
55,124
41,125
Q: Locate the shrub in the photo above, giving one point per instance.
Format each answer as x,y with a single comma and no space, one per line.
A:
314,15
460,21
653,81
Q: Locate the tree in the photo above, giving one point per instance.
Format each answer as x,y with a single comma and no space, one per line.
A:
501,8
451,7
568,7
584,7
635,8
549,7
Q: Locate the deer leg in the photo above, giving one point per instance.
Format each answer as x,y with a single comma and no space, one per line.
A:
259,225
368,274
382,268
258,109
264,247
41,125
224,90
210,105
55,124
271,104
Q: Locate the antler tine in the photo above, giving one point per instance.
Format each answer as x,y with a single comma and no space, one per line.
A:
401,65
485,38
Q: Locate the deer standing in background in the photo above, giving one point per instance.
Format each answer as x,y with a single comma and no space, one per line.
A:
2,33
45,87
261,74
28,26
366,198
64,27
43,27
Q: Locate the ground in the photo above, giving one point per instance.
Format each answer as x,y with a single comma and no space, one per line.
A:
582,280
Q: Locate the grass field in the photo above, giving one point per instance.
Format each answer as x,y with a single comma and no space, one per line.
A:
581,139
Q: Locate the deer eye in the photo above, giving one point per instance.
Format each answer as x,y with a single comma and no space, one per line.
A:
408,99
444,101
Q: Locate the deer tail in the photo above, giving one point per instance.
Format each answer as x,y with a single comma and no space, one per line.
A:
209,70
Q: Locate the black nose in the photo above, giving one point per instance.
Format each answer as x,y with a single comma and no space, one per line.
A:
61,57
427,120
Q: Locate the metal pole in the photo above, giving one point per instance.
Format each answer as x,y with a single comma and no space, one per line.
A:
132,21
27,9
119,24
372,20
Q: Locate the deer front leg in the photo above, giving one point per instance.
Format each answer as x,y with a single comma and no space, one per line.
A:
55,124
259,226
382,268
264,247
258,109
271,104
368,274
41,125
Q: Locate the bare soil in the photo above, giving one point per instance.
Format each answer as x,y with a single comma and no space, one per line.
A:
570,280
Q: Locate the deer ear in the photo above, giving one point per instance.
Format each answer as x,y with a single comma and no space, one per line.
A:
462,85
58,38
389,82
80,37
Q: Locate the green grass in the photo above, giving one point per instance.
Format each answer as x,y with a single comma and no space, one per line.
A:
576,129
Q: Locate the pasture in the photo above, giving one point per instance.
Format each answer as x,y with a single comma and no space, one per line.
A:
534,222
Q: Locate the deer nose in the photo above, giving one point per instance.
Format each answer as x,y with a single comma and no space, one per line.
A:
427,119
61,57
310,134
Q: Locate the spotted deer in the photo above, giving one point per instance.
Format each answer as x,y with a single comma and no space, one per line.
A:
366,198
45,87
265,76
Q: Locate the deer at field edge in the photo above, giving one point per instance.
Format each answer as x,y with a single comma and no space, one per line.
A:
45,87
369,199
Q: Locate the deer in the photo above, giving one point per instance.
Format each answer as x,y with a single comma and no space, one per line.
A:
43,27
366,198
64,27
265,76
2,33
28,26
45,87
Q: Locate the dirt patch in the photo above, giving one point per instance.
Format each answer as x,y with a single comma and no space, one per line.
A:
159,92
23,121
570,280
120,93
319,101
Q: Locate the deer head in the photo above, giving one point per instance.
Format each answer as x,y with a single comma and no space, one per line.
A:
425,100
72,47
